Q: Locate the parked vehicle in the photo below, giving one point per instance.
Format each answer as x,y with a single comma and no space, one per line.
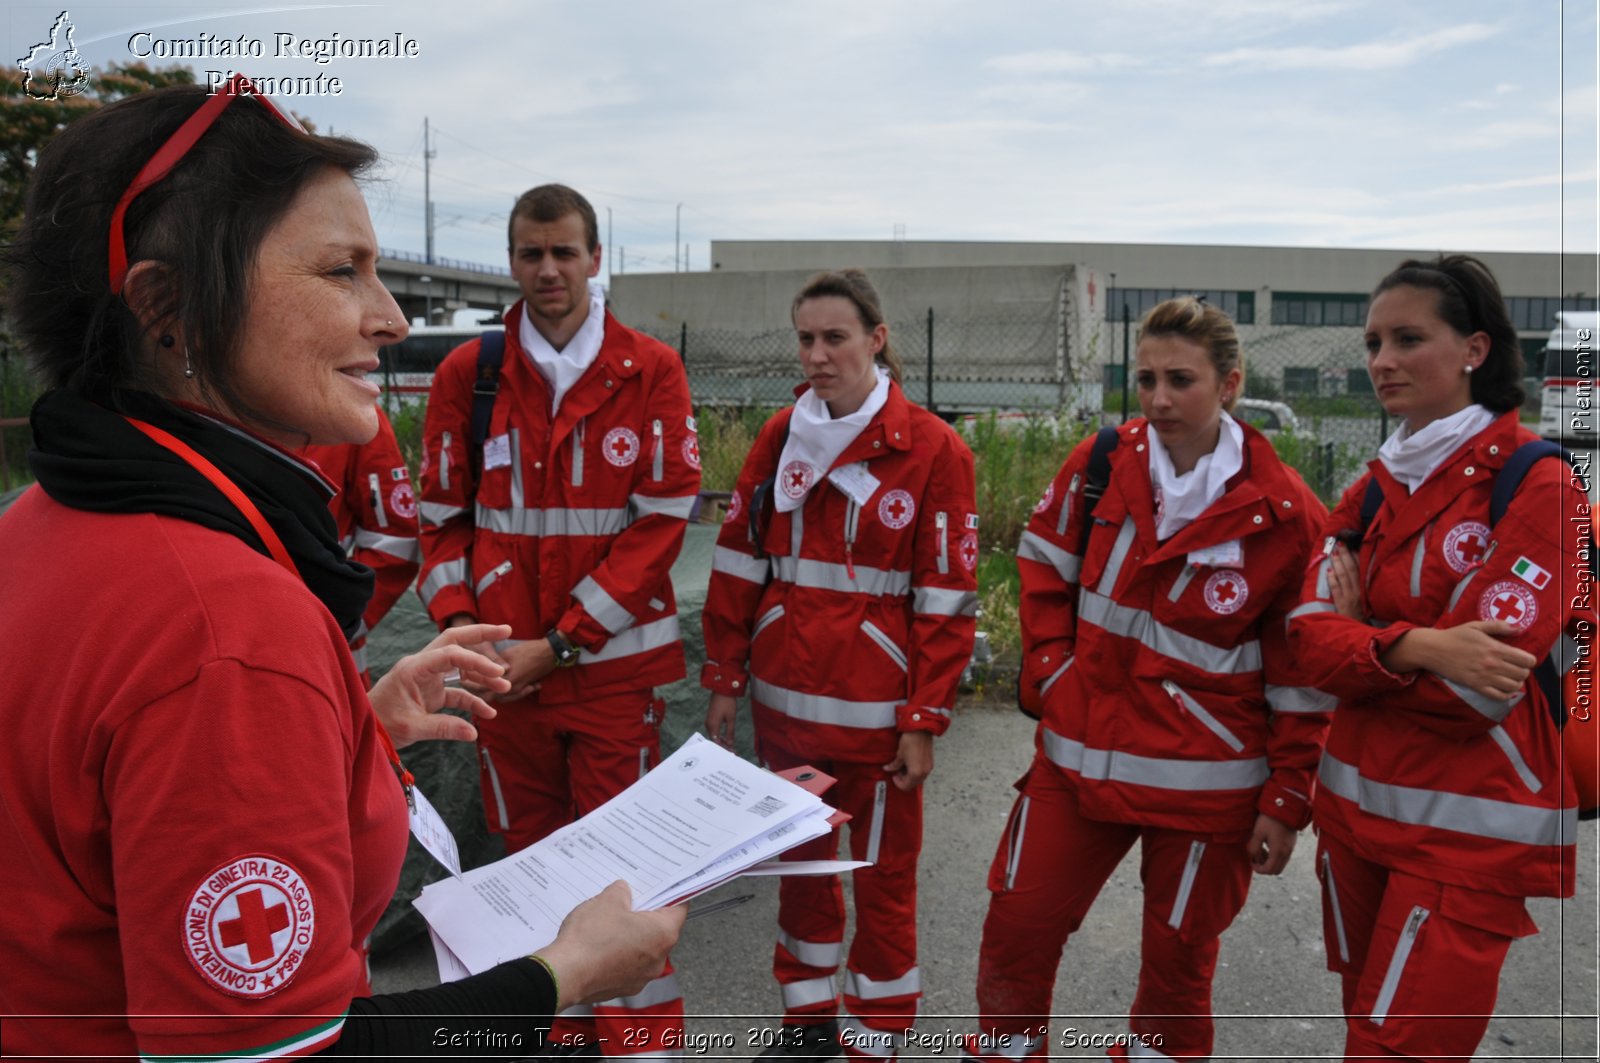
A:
1265,415
1566,402
407,367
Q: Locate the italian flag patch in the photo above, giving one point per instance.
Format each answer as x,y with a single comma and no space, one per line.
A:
1531,573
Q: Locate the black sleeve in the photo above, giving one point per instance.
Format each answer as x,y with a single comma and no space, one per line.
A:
503,1012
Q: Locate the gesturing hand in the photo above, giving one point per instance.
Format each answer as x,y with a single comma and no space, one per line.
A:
408,699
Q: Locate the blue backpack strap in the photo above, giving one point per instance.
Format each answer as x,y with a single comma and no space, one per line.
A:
1370,502
485,386
1097,480
1510,476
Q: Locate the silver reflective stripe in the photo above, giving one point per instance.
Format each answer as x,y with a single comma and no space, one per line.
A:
827,576
852,516
766,618
657,604
494,785
1199,712
663,990
865,1042
941,522
436,513
942,601
491,576
1333,904
444,462
1014,1046
579,1011
863,988
812,953
1461,588
1019,831
1119,554
445,574
1310,609
797,530
1299,699
1066,504
1564,654
731,562
935,710
577,451
1487,707
656,466
1044,687
638,639
519,520
1417,557
679,506
1191,867
1397,964
358,654
1322,577
1481,816
809,993
1140,626
1035,547
880,801
401,546
598,603
1181,584
1514,755
644,761
885,643
1186,775
377,499
817,708
516,469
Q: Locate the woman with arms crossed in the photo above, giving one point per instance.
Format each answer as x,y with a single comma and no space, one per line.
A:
842,599
1171,715
1443,801
201,813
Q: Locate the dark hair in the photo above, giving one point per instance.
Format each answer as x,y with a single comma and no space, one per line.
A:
1469,301
852,284
549,203
204,222
1194,320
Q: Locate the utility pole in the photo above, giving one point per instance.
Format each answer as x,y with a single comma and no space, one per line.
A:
677,236
427,191
608,245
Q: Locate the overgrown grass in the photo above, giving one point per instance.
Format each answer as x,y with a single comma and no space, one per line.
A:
407,417
726,436
1327,468
1015,460
19,388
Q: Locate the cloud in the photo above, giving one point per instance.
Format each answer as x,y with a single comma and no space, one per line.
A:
1037,64
1375,55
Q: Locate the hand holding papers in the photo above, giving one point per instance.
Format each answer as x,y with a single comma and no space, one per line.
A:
700,818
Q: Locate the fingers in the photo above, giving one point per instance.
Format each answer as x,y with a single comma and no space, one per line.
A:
475,667
467,634
470,703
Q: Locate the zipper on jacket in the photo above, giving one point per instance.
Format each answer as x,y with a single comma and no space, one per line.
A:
1191,867
1397,964
377,499
1338,913
491,576
885,643
1182,582
444,461
1044,688
761,625
644,760
1019,828
852,521
658,468
940,521
1066,503
880,798
1198,711
577,452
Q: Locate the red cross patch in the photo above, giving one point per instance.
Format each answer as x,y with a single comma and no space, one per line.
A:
1512,601
1465,545
403,501
691,450
896,508
1226,591
620,447
969,550
1049,496
797,478
735,506
249,925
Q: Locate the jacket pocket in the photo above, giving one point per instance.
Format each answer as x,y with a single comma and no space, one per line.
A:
941,524
766,620
1332,890
1199,712
1397,963
1508,746
885,643
1191,868
493,576
577,451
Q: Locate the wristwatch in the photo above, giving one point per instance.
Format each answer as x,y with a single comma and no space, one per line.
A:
566,652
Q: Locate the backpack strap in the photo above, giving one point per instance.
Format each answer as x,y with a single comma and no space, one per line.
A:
485,387
1098,478
762,505
1370,503
1510,476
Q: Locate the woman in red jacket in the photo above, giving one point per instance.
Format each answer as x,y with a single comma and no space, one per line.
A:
843,599
1153,644
1442,801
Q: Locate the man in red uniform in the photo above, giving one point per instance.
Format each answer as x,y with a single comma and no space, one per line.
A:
563,521
377,516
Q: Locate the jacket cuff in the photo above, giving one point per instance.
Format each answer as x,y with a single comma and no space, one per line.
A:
724,679
913,717
583,630
450,601
1378,646
1288,806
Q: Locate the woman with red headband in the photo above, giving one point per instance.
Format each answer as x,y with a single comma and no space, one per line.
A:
201,814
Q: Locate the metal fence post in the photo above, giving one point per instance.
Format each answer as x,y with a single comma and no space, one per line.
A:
683,342
1127,336
930,360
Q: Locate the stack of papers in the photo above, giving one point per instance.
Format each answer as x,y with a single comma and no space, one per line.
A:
700,818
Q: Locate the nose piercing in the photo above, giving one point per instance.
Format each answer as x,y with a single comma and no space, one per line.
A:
389,322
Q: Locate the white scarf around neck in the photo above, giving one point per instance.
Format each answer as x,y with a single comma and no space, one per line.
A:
816,439
1412,458
561,369
1180,499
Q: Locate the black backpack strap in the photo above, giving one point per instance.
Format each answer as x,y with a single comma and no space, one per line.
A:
1098,478
1370,502
762,504
485,386
1510,476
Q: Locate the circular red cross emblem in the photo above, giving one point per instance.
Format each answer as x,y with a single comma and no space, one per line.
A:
797,478
735,505
1049,496
691,450
249,925
1465,545
896,508
1509,600
969,550
1226,591
620,447
402,501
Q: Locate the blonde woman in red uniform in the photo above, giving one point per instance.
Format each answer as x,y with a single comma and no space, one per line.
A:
843,599
1153,644
1443,801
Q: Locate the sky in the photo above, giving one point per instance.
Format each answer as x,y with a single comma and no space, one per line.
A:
1410,124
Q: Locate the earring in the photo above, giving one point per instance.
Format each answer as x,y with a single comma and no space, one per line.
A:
188,366
1467,369
167,341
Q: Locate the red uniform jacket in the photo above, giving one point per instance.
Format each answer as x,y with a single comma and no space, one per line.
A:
859,624
572,522
1422,775
1165,677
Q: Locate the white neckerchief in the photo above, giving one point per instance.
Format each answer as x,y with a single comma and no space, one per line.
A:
1180,499
561,369
1411,459
816,439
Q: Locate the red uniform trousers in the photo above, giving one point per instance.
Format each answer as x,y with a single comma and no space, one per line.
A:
1419,960
543,766
1050,866
882,983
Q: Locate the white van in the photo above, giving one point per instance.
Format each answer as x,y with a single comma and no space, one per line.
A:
1567,400
406,370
